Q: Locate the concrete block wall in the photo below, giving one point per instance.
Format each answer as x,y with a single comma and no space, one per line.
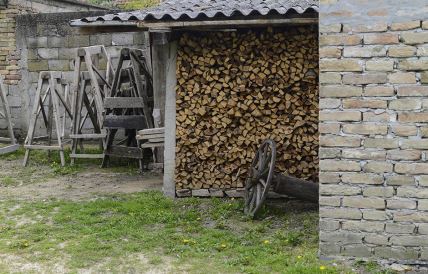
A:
374,130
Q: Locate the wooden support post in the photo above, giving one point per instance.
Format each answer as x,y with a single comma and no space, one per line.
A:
5,113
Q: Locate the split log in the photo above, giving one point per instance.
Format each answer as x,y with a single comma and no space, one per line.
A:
236,89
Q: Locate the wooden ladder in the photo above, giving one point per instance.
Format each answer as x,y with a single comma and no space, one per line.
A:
129,106
56,95
13,146
90,88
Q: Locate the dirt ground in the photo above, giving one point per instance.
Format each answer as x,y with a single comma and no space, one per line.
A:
37,182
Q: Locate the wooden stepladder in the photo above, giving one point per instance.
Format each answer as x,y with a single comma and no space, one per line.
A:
129,106
5,114
48,105
90,88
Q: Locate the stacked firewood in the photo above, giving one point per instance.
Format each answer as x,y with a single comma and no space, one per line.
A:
236,89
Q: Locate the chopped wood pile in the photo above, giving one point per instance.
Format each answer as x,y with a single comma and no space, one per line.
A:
236,89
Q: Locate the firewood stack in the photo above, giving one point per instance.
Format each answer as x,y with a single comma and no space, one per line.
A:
236,89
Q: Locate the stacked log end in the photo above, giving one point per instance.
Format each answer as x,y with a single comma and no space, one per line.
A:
236,89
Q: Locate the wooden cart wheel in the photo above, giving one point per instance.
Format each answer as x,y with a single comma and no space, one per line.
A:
259,178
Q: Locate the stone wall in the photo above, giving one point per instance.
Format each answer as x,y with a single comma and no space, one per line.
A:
374,129
47,42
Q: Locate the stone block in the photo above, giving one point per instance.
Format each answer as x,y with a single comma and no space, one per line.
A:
414,38
40,65
381,39
424,77
330,128
37,42
396,252
424,132
340,116
423,180
413,117
340,40
326,103
401,51
122,39
339,141
100,39
401,204
377,65
378,91
405,25
363,154
406,155
341,237
423,229
402,78
330,28
375,215
329,248
329,225
363,103
363,226
216,193
411,168
330,52
360,202
235,193
57,42
200,193
364,52
340,91
423,205
400,180
402,130
365,79
412,192
181,193
362,178
411,216
59,65
376,239
78,41
339,190
414,144
67,54
365,129
45,53
413,65
409,240
340,65
378,191
414,91
395,228
359,251
329,201
329,178
405,104
378,143
422,50
339,165
379,116
330,78
341,213
374,27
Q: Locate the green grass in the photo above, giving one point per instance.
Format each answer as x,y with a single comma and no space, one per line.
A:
212,235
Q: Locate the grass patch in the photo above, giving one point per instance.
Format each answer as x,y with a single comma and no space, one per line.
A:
212,235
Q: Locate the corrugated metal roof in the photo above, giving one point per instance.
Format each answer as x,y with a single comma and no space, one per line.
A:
199,9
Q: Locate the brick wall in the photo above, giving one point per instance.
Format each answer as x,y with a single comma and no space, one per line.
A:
374,131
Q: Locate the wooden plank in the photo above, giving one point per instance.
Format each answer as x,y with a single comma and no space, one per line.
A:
5,139
9,149
150,136
42,147
158,130
123,102
125,152
125,122
87,156
163,26
152,145
157,140
88,136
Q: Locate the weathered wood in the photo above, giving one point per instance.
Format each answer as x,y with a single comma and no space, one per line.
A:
88,136
297,188
152,145
125,152
159,130
125,122
6,115
52,119
123,102
150,136
87,156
